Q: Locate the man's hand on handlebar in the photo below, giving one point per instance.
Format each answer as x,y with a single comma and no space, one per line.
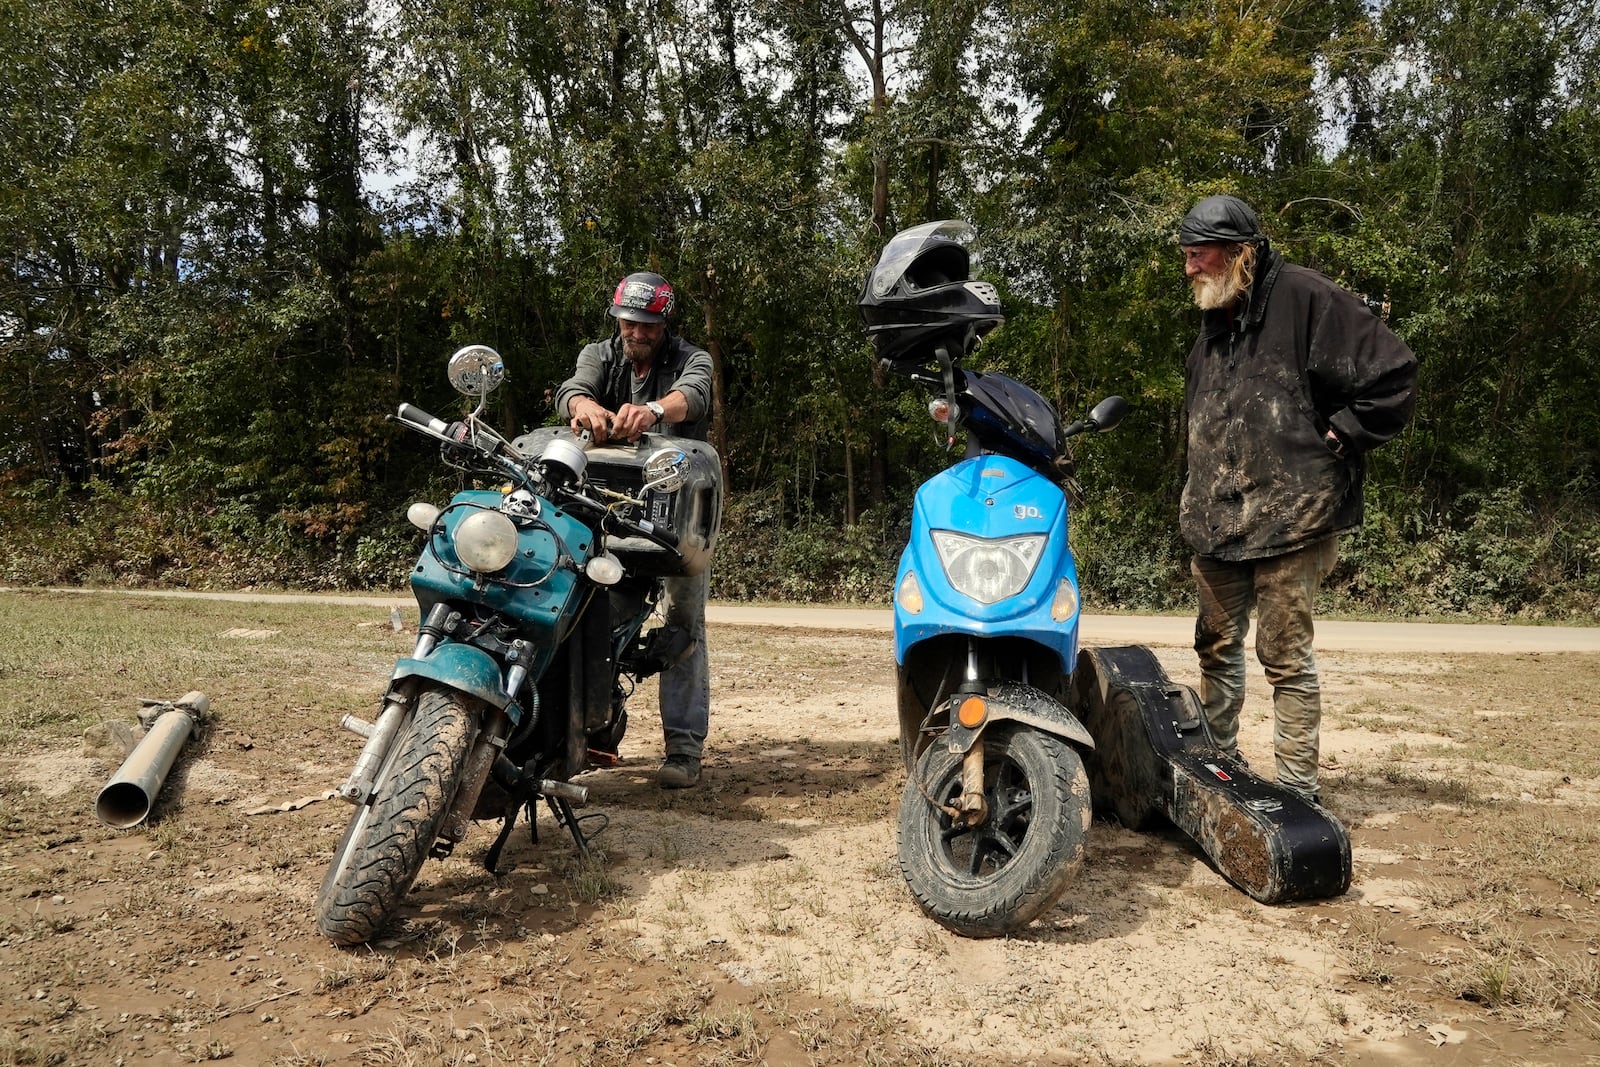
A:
627,423
590,415
632,420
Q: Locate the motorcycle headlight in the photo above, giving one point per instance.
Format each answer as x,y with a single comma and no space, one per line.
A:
485,541
988,571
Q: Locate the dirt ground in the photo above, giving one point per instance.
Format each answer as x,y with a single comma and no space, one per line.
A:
762,918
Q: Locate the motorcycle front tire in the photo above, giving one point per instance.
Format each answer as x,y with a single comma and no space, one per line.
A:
390,834
996,878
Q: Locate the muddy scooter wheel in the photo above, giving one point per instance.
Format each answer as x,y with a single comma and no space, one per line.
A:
992,879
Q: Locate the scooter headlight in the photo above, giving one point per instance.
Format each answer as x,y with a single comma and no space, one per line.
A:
485,541
988,571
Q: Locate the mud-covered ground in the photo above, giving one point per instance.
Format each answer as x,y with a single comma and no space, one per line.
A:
761,918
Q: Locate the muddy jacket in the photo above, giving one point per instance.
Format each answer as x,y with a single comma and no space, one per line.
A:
604,374
1264,382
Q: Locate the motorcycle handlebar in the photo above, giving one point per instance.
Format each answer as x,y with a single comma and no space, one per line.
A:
649,531
417,417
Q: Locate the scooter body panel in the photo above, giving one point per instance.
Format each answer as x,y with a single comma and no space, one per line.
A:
990,497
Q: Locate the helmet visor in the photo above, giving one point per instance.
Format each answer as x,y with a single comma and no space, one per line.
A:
947,242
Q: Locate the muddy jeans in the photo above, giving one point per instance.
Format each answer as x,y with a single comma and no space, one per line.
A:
1282,588
686,688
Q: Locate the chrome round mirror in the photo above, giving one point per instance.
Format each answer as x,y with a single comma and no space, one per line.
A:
476,370
664,470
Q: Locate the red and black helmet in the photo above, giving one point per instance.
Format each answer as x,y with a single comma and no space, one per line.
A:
642,297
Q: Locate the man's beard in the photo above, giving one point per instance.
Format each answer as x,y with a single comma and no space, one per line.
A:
1212,291
640,353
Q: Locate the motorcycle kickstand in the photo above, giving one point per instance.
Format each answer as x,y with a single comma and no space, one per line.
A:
563,813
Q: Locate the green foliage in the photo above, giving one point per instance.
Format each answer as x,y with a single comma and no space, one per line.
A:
760,556
1495,557
223,268
1130,556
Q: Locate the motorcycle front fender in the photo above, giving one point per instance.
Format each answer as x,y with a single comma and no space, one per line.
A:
466,669
1015,702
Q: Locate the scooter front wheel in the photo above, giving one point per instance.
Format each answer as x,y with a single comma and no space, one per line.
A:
996,877
390,834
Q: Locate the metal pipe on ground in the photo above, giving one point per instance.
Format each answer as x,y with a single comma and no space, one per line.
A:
127,798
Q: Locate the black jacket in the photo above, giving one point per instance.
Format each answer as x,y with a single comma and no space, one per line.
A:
1263,384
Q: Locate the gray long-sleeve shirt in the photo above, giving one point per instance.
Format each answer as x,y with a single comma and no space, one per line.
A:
604,374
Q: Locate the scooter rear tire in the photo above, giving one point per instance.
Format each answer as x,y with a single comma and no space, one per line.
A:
389,835
1000,876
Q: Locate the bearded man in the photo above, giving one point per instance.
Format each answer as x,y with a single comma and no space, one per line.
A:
1291,382
646,376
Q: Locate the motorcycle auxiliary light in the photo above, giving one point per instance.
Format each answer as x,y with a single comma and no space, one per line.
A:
604,570
422,515
485,541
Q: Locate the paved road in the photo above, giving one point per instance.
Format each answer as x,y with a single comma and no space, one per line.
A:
1165,630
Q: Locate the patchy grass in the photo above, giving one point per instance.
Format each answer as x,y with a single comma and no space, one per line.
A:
68,658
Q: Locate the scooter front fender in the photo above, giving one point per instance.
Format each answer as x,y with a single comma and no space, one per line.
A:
466,669
1015,702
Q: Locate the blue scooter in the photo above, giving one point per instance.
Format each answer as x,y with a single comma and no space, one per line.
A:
996,808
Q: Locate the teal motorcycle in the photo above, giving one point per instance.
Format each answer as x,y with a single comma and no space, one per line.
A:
536,588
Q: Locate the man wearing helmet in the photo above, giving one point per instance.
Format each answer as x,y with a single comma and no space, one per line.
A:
646,376
1291,382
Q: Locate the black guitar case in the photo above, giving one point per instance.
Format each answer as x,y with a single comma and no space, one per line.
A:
1154,759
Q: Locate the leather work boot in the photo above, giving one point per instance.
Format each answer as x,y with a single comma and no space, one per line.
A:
678,772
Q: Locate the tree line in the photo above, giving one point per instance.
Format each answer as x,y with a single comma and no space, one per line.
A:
238,232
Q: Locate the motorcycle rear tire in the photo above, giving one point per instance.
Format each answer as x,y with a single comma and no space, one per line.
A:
389,835
1003,874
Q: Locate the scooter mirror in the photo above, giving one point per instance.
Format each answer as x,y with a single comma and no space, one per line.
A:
1106,414
476,370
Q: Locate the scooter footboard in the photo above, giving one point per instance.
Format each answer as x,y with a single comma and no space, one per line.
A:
1153,757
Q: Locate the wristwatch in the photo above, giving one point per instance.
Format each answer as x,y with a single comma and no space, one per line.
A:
657,410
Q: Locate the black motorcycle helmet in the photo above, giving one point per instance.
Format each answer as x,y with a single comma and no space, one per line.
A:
642,297
920,295
1220,218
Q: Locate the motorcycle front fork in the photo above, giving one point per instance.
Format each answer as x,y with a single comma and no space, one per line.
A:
486,749
396,706
972,809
